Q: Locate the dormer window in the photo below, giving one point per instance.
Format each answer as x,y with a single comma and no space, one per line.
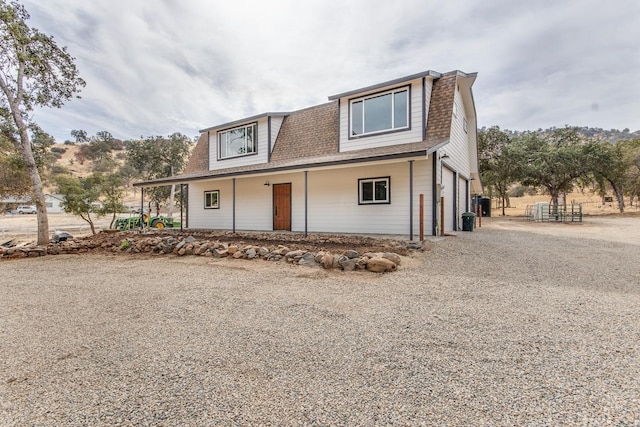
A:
380,112
236,142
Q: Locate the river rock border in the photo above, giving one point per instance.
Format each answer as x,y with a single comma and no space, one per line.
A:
349,260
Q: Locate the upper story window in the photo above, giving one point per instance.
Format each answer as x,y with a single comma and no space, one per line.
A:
381,112
240,141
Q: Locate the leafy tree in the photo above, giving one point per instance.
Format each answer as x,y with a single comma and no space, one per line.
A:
112,192
498,167
79,135
553,162
608,166
159,157
618,166
631,154
79,196
99,151
14,180
34,72
97,195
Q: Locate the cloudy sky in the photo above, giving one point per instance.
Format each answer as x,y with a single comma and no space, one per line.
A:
164,66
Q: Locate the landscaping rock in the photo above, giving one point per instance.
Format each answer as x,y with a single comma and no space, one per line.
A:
395,258
351,254
347,264
380,265
327,261
308,260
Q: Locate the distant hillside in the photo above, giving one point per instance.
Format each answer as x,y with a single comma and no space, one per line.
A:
611,135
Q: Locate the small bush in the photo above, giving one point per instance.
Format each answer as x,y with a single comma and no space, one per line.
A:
59,170
58,150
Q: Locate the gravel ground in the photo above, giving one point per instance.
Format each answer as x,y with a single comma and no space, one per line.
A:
515,323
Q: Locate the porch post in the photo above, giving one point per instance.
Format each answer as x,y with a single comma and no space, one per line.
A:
434,199
410,199
234,203
141,207
306,199
181,204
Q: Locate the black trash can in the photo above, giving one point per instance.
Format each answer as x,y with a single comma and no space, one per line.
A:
468,219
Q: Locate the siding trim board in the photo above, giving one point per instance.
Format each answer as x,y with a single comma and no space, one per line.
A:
428,73
424,108
268,139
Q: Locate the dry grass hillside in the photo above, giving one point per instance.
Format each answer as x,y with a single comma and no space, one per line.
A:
69,161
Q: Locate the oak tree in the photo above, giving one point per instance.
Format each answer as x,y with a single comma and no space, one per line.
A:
34,72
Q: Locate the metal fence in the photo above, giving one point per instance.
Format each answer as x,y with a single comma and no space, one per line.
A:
547,212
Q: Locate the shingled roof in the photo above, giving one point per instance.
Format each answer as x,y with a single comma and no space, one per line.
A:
441,106
309,138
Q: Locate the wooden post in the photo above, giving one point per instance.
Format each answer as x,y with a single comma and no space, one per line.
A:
442,216
421,217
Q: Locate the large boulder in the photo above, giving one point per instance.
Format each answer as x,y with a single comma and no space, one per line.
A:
395,258
308,260
380,265
327,260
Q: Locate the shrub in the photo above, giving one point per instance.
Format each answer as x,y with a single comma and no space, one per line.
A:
58,150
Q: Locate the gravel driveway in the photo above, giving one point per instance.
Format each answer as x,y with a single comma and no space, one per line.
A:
515,323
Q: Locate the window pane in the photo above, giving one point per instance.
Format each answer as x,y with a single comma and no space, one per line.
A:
381,190
214,200
250,140
222,145
367,191
377,113
236,143
400,109
356,118
207,200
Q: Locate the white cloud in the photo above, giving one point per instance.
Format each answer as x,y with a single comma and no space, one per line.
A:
159,67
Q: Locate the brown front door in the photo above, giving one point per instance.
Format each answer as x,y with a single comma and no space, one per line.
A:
282,207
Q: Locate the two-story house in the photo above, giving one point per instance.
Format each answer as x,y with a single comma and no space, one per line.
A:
383,159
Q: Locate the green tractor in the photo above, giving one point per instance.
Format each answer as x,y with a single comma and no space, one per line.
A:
149,221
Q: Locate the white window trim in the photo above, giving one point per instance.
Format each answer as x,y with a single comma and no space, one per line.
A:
406,89
225,131
386,201
217,205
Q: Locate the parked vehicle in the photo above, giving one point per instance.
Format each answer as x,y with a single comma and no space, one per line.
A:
149,221
25,209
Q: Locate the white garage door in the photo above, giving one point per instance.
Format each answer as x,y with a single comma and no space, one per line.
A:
449,194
